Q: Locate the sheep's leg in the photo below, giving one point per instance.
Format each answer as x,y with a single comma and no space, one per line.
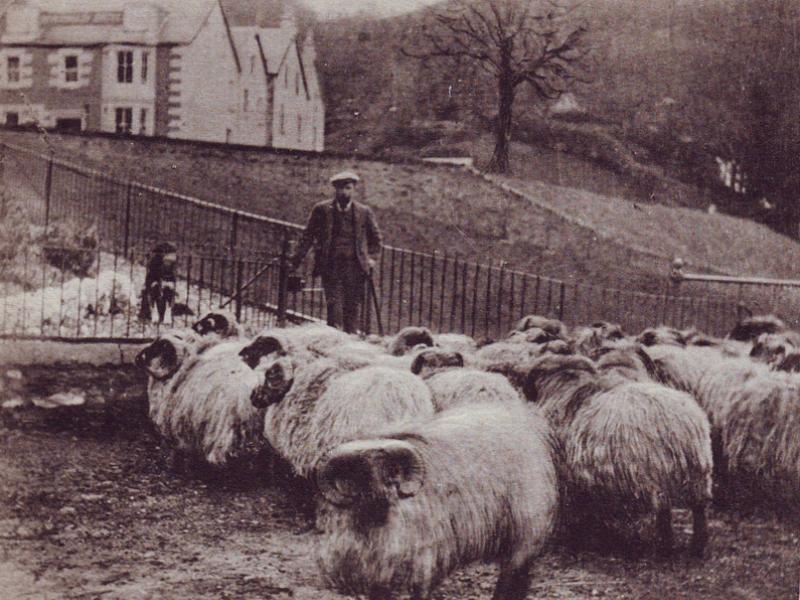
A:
664,538
513,583
379,593
699,531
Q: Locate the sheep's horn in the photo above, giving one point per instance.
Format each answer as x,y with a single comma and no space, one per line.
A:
401,465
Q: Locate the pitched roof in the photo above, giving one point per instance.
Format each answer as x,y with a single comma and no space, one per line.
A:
254,13
101,22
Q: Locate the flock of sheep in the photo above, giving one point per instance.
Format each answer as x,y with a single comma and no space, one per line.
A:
423,453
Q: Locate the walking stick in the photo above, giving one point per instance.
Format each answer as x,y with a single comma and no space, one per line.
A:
374,295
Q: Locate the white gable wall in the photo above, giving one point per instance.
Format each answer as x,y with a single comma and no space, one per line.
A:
205,101
251,113
298,120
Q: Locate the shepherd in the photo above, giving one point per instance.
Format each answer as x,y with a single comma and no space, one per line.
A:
347,242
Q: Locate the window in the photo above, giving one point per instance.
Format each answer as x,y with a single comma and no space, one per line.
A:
12,69
124,119
282,128
145,59
125,66
143,121
12,119
71,68
299,126
245,100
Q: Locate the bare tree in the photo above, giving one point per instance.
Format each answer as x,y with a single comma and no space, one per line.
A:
516,41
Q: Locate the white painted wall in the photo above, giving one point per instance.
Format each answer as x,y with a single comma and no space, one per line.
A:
251,114
209,88
139,94
298,117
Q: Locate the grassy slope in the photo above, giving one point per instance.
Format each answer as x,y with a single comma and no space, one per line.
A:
567,233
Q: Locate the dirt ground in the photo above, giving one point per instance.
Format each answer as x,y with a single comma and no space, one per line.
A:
88,510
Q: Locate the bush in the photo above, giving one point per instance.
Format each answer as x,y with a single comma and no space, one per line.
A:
70,251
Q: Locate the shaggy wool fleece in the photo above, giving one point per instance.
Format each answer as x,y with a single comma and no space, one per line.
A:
489,493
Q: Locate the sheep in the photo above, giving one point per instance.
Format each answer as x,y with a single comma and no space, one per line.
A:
771,348
456,342
759,439
662,335
626,359
200,401
452,385
553,327
412,504
220,323
408,338
629,447
213,416
790,363
585,340
315,404
166,361
750,328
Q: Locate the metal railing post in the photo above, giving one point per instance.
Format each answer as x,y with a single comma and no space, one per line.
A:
48,187
234,239
126,239
283,275
239,289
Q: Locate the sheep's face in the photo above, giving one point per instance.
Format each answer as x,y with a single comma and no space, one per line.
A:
278,380
555,369
212,323
410,338
160,359
661,335
435,359
770,348
267,356
368,477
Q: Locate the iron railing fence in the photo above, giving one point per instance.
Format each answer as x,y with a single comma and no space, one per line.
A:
222,249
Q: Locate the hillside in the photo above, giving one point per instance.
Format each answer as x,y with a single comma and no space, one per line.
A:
645,122
565,232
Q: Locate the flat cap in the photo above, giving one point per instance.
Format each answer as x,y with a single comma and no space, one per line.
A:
345,176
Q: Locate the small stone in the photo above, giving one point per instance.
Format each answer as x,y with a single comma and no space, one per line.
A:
60,399
24,532
91,497
99,534
13,403
14,374
595,592
68,511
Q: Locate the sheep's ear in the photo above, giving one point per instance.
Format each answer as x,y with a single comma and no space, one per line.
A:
343,477
401,466
263,345
647,361
420,362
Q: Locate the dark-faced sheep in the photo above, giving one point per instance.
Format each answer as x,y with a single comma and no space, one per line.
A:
452,385
317,403
750,328
629,448
203,408
409,338
412,504
220,323
554,327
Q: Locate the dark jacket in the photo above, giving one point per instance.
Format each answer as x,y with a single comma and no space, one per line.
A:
320,227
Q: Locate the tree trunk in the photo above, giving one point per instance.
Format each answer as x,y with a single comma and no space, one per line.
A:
502,134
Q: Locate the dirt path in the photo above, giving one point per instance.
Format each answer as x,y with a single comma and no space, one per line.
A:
88,511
